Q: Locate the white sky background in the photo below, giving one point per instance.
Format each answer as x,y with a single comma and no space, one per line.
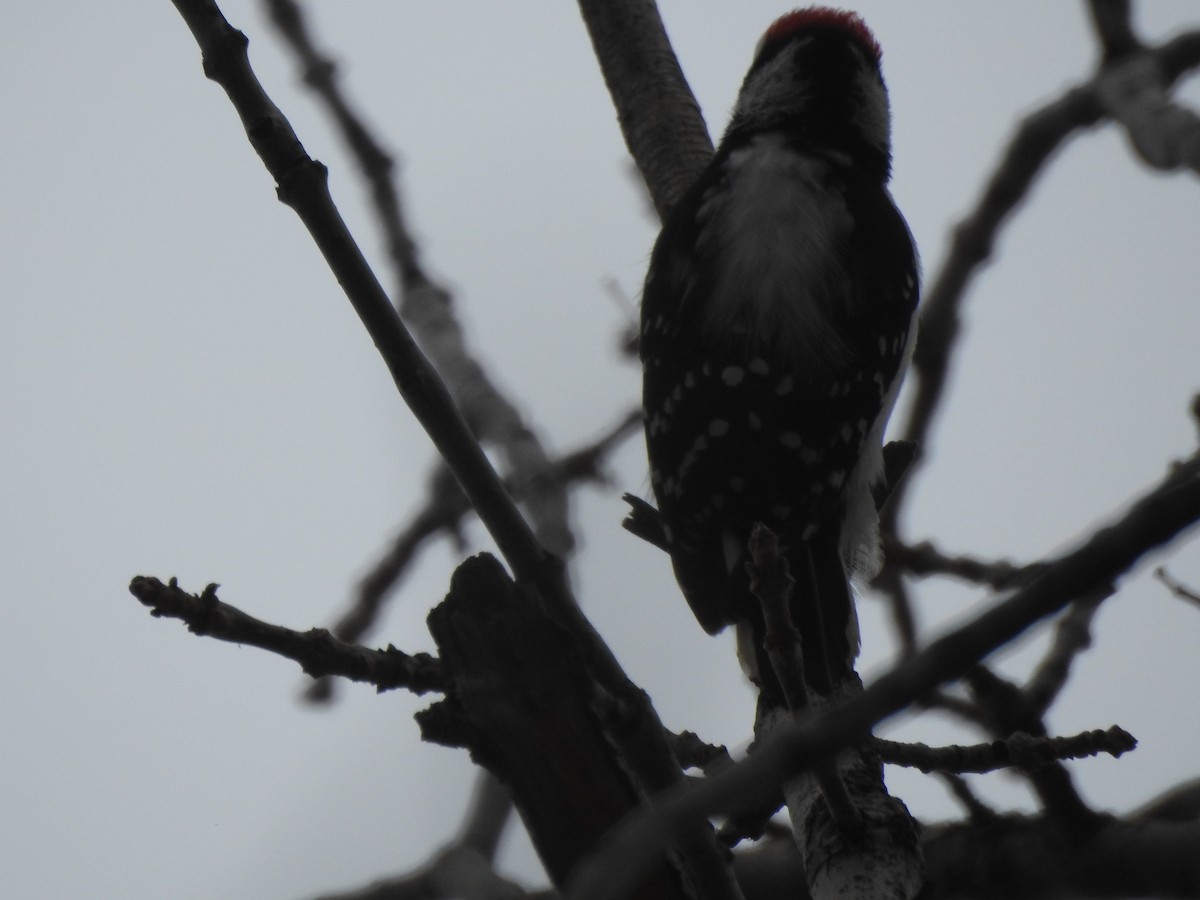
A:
185,391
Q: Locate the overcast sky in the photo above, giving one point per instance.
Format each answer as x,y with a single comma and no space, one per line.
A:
186,392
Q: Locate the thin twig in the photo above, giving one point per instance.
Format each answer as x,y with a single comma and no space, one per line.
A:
1153,520
1178,588
925,559
1072,636
303,186
1035,141
317,651
445,509
1019,750
443,513
962,707
428,308
1009,711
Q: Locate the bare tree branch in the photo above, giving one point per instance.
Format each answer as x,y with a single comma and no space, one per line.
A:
316,650
670,147
444,511
1017,751
926,559
962,707
1153,520
303,186
976,809
1008,711
1114,28
428,308
1072,636
1037,139
1176,587
659,116
1033,859
1002,857
540,700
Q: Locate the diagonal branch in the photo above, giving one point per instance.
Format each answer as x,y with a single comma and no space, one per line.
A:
303,186
658,113
444,511
1155,519
1176,587
316,650
1072,636
1037,139
428,308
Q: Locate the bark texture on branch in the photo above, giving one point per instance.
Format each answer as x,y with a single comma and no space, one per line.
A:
660,118
539,700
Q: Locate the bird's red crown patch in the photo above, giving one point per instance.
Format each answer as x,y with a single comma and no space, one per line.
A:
799,20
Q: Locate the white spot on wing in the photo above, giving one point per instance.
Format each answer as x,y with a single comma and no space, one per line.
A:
733,375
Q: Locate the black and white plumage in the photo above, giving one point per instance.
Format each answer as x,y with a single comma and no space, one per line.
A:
777,321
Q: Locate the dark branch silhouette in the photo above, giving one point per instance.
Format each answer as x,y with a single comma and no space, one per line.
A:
1021,750
317,651
1155,519
534,693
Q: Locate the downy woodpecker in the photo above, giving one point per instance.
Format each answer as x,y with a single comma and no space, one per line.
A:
778,318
